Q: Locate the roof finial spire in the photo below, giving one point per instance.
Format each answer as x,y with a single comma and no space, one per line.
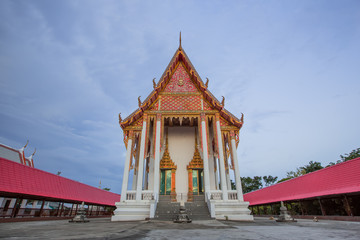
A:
180,41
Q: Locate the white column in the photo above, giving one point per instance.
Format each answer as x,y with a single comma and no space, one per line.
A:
237,171
221,157
140,172
146,181
157,155
135,177
228,182
126,168
216,174
205,153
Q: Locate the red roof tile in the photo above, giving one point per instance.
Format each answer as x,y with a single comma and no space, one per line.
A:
338,179
16,178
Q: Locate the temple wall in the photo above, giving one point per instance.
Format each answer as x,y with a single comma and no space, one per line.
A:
181,148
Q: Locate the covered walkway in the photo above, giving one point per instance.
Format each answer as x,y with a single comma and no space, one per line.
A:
30,192
334,191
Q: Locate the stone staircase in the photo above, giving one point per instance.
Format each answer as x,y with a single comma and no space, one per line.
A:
198,209
166,210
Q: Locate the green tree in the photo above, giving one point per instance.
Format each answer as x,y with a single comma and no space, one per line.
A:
251,184
312,167
269,180
346,157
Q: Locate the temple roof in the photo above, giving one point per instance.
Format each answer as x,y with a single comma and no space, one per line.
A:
341,178
180,56
18,180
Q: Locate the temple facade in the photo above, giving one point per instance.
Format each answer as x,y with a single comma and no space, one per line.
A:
181,142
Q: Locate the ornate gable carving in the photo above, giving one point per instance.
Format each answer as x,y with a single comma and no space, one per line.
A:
155,106
138,123
207,106
224,123
180,102
180,82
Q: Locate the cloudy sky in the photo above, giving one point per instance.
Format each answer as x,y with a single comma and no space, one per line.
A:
67,68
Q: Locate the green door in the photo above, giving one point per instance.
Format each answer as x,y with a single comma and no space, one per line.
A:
195,177
165,182
198,183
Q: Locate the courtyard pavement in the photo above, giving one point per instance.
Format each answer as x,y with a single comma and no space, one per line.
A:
103,228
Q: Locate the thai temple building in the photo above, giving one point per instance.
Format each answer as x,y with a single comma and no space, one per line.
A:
181,144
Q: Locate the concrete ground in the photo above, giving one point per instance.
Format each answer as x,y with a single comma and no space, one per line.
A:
103,228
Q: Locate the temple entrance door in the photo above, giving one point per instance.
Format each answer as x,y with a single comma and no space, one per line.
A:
198,181
165,182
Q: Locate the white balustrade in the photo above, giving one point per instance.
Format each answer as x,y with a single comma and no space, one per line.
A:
147,195
215,195
232,195
131,195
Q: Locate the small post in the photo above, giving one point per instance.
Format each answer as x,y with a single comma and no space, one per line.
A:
301,208
14,210
76,208
321,207
347,206
42,208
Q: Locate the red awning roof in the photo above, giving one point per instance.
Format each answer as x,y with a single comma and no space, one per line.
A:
18,179
338,179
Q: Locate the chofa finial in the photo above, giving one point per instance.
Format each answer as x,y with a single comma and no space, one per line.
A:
154,83
120,119
223,101
139,101
242,117
207,83
27,142
33,153
180,40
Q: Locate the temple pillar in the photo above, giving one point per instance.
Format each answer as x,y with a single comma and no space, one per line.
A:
205,153
216,174
135,177
127,167
173,192
228,182
221,157
141,161
157,155
190,191
236,167
146,181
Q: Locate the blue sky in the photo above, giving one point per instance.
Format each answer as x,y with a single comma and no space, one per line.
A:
67,68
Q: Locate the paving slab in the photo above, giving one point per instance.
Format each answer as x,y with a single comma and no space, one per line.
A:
261,228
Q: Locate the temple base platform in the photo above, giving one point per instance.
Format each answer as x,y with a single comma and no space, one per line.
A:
132,211
230,210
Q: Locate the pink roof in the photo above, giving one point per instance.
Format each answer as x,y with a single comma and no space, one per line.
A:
338,179
18,179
